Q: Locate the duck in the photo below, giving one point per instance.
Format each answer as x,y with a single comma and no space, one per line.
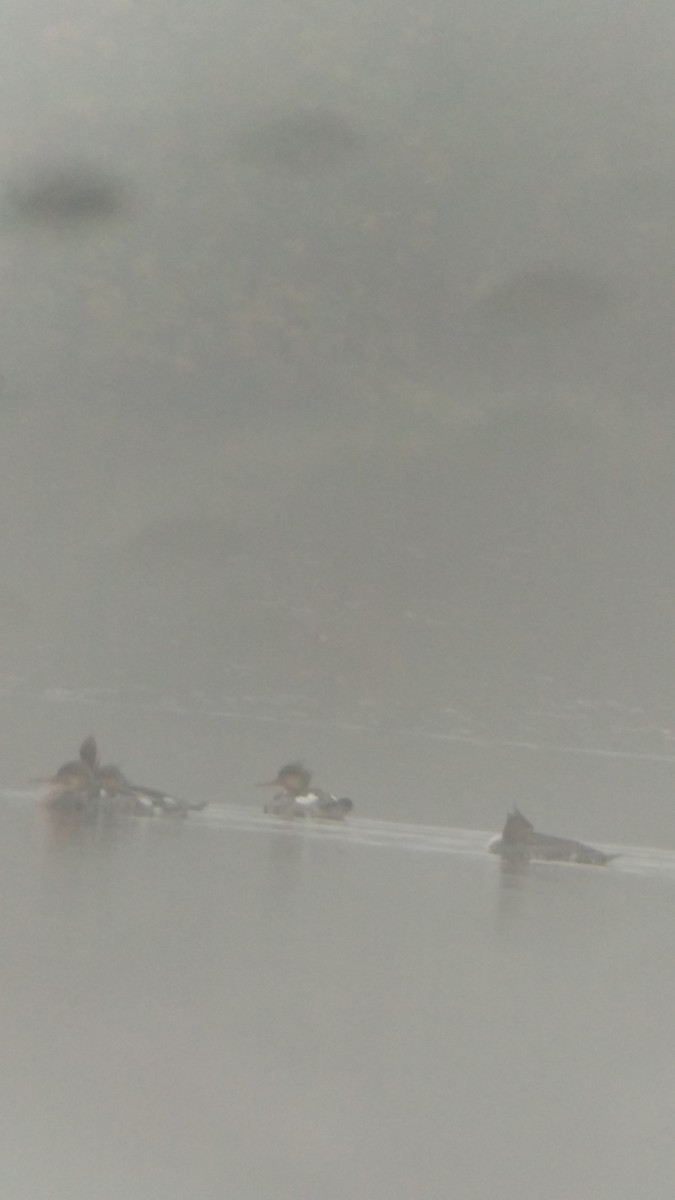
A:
85,783
297,799
519,842
137,799
74,786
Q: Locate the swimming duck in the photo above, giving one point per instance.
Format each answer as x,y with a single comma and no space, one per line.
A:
520,842
84,784
143,801
75,784
297,799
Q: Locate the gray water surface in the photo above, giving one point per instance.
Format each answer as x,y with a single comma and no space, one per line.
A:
230,1007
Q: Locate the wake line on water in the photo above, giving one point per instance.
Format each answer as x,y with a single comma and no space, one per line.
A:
301,721
386,835
436,839
548,747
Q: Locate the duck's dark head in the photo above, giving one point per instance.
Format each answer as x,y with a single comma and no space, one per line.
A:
293,779
517,829
111,781
89,752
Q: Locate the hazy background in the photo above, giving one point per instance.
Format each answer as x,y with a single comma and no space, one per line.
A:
336,421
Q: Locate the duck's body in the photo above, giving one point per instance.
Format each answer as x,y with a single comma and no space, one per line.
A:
318,803
519,842
142,801
298,799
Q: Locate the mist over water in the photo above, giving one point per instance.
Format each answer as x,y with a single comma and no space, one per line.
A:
336,422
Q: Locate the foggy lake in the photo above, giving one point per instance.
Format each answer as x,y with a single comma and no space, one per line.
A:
337,424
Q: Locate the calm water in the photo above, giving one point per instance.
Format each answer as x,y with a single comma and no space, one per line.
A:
224,1007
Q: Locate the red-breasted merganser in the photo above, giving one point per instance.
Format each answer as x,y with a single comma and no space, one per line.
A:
84,783
519,842
143,801
297,799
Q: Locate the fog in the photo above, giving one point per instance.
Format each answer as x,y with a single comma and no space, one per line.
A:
337,423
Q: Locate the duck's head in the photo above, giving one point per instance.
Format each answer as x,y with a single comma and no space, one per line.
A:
517,829
293,779
89,752
111,781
